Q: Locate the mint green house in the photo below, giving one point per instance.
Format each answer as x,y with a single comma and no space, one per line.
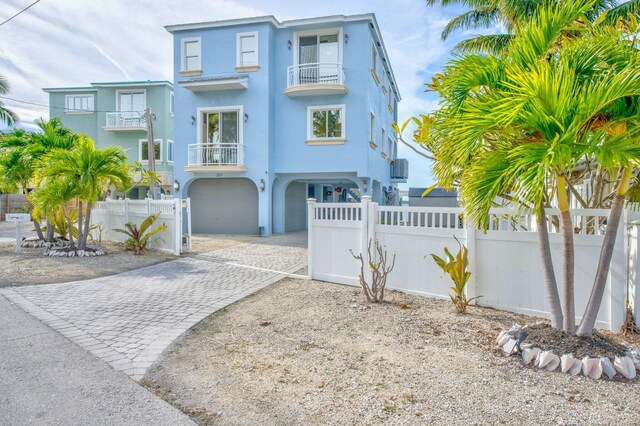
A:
114,114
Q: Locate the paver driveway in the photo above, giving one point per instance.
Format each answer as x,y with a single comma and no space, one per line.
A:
130,318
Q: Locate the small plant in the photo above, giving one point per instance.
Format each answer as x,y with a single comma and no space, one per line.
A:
379,271
456,267
139,238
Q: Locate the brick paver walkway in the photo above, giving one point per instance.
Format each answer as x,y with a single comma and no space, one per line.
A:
130,318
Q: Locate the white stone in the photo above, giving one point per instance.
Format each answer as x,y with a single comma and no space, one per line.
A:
509,347
624,365
499,339
576,368
548,360
607,367
591,367
529,355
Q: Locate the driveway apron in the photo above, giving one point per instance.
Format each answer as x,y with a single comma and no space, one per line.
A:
129,319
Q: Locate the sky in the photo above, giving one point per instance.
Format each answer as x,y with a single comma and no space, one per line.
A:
63,43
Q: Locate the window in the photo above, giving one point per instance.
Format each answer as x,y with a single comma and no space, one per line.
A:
220,125
169,151
390,99
372,129
374,63
191,54
247,49
131,101
326,122
172,103
382,140
390,147
144,150
78,104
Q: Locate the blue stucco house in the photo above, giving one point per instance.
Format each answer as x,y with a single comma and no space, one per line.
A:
113,113
269,113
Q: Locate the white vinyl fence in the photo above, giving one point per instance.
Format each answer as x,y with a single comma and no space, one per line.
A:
504,262
112,214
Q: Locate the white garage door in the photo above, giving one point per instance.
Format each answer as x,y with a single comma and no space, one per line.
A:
224,206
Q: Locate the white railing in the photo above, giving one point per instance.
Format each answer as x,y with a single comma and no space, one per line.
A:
211,154
504,260
126,119
316,73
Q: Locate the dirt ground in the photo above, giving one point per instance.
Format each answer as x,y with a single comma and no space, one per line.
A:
306,352
31,267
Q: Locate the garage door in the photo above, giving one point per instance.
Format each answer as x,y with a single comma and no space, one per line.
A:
224,206
295,200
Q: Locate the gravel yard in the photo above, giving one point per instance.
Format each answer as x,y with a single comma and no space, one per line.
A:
301,352
31,267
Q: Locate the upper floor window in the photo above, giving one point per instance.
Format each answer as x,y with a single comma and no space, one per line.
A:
131,101
326,122
390,147
382,140
143,147
220,126
172,104
78,104
247,49
169,151
374,63
318,47
391,99
191,60
372,128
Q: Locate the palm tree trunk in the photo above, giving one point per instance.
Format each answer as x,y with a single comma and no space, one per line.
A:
569,309
51,229
551,285
70,226
36,225
87,221
600,281
80,225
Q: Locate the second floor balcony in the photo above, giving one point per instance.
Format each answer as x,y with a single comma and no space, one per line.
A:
214,157
126,120
399,170
315,79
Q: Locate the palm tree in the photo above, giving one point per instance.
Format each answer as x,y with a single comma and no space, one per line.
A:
7,116
511,14
519,123
85,173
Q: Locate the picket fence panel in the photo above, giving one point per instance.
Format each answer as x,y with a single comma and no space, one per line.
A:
504,261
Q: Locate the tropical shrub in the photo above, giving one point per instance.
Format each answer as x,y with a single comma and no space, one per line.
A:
456,267
139,237
374,292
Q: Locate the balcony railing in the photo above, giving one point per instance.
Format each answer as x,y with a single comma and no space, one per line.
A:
211,154
316,73
126,120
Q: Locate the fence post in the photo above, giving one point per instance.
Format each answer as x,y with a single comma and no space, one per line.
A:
177,224
634,267
365,205
472,284
618,278
311,205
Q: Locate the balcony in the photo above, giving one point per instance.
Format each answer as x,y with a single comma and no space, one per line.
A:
399,170
315,79
128,120
210,157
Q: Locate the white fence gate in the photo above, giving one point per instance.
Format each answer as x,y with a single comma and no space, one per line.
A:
504,262
111,214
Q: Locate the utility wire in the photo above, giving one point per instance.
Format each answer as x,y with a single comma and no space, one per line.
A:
23,10
55,107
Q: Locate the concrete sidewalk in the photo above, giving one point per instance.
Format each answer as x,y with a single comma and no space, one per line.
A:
47,380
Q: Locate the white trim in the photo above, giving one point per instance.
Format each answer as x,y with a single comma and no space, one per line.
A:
170,143
155,142
91,104
120,91
70,90
311,109
183,62
238,108
239,37
318,32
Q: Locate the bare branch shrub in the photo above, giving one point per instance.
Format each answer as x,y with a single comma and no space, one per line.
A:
374,292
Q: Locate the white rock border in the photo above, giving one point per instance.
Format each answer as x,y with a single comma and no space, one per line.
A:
594,368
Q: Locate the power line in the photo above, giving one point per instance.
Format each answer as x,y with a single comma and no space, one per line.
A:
55,107
23,10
